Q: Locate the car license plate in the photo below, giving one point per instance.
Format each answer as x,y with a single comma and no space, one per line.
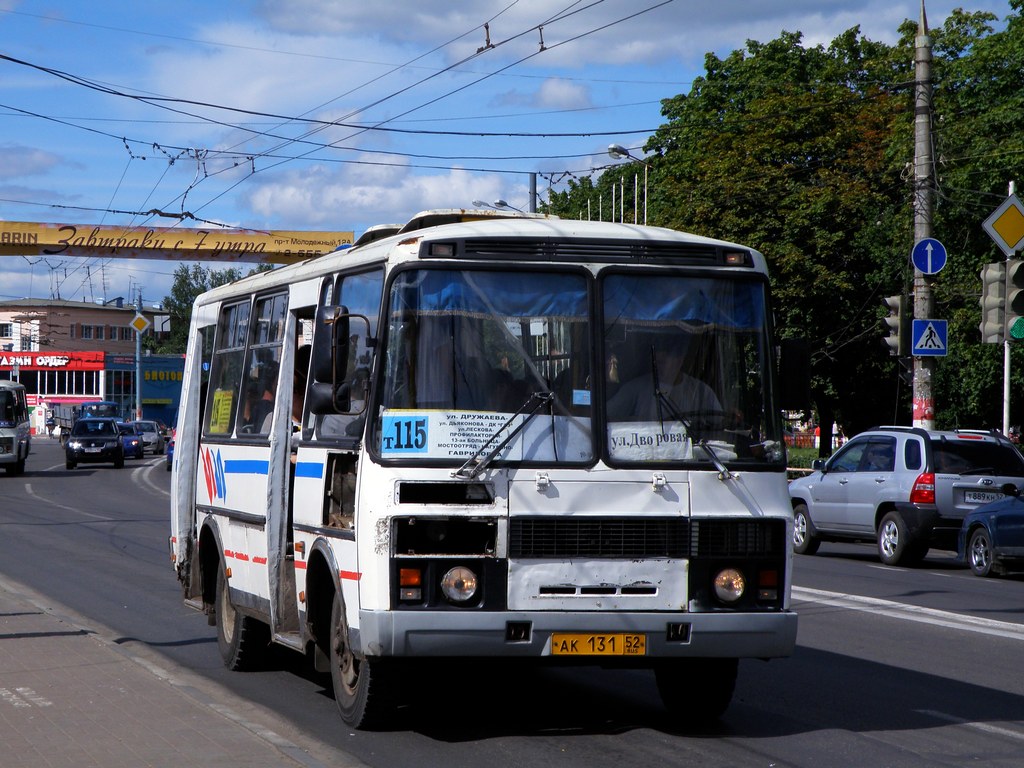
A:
93,450
616,644
981,497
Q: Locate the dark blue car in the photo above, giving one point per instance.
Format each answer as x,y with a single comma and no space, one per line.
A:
992,536
134,447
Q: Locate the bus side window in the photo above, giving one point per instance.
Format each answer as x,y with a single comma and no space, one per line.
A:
227,368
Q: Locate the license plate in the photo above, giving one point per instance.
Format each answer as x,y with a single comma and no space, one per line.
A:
565,644
93,450
981,497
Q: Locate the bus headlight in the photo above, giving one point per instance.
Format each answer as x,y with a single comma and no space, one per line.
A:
459,584
730,585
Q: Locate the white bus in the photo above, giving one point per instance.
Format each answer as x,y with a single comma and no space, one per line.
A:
15,427
486,435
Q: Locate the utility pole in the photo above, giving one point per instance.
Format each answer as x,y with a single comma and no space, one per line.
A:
1006,341
138,365
924,185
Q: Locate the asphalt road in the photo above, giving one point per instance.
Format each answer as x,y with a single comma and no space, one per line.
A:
894,667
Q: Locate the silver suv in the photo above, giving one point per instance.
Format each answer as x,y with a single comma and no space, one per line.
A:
906,488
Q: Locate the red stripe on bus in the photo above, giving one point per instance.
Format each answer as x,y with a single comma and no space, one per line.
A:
350,575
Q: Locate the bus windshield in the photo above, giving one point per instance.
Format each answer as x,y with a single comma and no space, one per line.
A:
684,358
467,349
7,403
688,359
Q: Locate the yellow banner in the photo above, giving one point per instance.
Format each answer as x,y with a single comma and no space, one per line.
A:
20,238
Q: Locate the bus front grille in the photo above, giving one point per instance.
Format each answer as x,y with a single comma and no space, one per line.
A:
598,537
545,537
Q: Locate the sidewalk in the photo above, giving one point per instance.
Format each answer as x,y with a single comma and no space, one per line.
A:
69,698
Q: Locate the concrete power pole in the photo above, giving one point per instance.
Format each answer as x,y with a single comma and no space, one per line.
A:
924,186
138,364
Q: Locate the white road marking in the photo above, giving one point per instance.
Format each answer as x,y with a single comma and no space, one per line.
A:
994,729
51,502
913,613
22,697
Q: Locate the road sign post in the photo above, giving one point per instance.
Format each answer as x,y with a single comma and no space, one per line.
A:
1005,225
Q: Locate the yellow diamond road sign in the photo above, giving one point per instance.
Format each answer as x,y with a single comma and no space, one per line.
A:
1006,225
139,323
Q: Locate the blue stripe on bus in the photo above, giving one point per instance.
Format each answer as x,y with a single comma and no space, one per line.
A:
309,469
246,467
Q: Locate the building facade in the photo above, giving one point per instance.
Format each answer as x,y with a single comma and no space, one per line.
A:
72,351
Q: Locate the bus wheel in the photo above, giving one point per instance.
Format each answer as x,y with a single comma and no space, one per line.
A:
242,640
696,690
363,688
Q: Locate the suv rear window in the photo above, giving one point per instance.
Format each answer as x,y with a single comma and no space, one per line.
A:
966,457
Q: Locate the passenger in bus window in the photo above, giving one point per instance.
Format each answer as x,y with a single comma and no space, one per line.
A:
662,385
263,409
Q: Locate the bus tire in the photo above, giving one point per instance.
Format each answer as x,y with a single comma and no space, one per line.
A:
363,688
242,640
696,690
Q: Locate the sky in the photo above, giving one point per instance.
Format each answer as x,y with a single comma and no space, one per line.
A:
337,115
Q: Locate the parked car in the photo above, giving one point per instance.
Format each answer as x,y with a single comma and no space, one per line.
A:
170,453
151,435
992,537
94,440
906,488
131,438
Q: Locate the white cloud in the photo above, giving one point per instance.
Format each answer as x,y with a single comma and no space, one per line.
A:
19,161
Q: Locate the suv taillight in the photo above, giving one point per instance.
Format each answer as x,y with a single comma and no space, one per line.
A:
923,491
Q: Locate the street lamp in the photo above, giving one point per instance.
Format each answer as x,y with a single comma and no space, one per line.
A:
499,203
619,152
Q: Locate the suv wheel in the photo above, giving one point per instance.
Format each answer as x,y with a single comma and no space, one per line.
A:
804,540
895,545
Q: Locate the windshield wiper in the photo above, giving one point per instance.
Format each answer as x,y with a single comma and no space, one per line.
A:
697,438
474,464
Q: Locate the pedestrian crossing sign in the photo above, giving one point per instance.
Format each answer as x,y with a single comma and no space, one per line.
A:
929,338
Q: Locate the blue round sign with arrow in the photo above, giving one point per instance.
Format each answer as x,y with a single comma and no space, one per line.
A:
929,255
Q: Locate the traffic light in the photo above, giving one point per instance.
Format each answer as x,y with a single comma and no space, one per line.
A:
993,303
897,323
1014,299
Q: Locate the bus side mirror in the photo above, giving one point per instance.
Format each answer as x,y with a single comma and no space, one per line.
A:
323,341
351,334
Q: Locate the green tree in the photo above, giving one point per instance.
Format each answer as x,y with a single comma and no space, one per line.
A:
189,282
807,155
789,149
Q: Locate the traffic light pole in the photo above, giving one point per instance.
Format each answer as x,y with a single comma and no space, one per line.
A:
924,404
1006,339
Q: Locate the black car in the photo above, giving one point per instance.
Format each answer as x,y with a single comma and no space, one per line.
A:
94,440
